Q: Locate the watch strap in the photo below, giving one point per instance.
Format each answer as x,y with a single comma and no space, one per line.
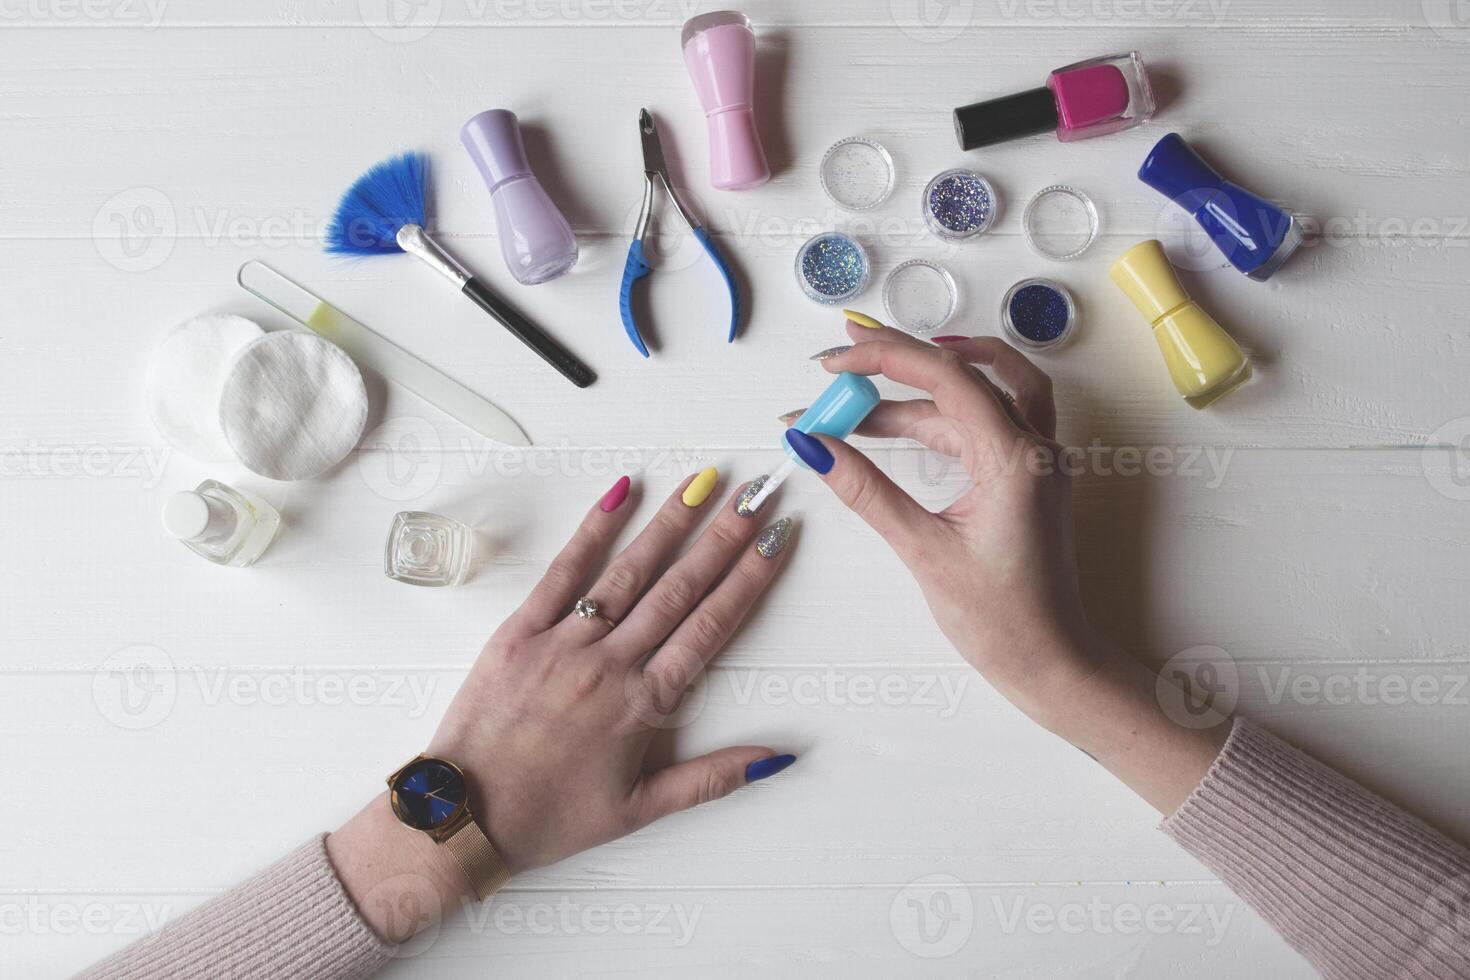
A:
476,856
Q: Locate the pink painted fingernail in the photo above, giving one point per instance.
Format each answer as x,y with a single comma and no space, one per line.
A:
614,498
948,340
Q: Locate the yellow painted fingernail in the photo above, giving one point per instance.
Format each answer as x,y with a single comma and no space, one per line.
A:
704,485
862,319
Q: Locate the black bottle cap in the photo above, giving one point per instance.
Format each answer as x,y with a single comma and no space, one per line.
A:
999,120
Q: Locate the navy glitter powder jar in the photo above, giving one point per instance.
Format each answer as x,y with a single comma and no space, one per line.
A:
960,204
832,268
1039,314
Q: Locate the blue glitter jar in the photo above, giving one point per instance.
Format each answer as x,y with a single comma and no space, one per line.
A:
960,204
1039,314
832,268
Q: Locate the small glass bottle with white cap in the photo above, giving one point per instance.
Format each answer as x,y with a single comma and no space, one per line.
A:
225,525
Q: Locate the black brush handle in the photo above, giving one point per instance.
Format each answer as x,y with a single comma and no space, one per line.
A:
529,334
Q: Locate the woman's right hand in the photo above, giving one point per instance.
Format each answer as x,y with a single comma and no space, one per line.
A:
997,567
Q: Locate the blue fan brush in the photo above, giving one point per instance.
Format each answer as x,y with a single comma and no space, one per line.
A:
383,212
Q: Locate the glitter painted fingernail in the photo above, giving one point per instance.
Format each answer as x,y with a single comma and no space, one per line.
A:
831,352
949,340
698,491
742,502
773,539
862,320
790,417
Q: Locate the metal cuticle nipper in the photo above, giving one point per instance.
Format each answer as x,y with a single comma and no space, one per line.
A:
655,171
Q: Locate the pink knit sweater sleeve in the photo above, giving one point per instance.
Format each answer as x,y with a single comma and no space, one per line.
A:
292,920
1361,888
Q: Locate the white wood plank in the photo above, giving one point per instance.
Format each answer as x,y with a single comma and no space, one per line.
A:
1362,345
903,771
1322,557
402,22
268,128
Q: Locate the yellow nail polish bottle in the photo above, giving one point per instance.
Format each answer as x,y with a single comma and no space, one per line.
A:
1204,361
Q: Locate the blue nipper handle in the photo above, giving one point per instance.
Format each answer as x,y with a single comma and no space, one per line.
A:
719,261
635,268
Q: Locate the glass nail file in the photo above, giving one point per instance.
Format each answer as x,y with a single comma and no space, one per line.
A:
378,354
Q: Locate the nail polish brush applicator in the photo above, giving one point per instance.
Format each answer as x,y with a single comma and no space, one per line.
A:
384,212
837,413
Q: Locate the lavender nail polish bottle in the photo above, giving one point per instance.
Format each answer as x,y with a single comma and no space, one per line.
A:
535,238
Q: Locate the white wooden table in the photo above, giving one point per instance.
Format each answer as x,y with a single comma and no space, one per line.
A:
1314,528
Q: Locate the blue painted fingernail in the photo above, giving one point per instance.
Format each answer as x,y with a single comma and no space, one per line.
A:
812,452
762,768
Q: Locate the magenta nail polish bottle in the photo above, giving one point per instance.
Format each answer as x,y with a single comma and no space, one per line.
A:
1090,98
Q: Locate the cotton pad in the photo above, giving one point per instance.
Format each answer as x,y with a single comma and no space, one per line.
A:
293,406
186,374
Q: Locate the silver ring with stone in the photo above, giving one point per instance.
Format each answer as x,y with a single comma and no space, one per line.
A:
587,608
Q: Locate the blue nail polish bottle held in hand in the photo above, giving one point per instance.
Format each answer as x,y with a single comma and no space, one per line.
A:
837,413
840,409
1255,235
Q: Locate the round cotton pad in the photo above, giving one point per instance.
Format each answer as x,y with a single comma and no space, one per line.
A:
186,374
293,406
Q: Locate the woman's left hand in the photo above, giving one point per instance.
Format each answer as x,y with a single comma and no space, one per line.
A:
553,724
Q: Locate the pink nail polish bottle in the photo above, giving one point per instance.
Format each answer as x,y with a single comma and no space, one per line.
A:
719,51
1091,98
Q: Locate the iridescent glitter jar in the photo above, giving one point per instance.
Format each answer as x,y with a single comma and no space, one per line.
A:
1039,314
832,268
960,204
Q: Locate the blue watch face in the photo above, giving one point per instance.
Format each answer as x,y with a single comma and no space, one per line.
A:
428,794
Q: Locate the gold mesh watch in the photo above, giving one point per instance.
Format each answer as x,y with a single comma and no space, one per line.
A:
431,796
